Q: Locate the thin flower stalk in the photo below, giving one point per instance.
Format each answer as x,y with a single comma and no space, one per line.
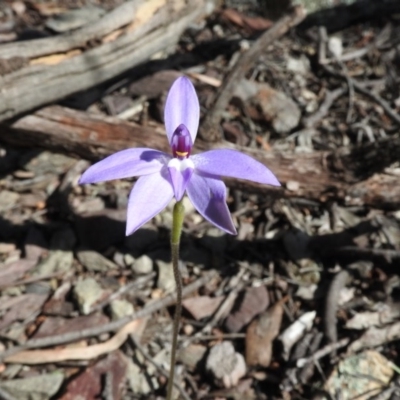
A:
177,223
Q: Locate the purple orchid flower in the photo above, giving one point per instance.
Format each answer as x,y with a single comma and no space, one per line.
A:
163,176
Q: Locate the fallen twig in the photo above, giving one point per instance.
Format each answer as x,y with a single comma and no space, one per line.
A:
346,174
331,306
33,357
330,98
210,130
323,352
151,308
369,93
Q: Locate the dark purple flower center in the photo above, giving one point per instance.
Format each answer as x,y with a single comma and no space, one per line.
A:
181,142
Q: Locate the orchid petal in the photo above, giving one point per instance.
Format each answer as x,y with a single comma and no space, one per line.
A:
182,107
125,164
208,196
150,195
180,172
232,163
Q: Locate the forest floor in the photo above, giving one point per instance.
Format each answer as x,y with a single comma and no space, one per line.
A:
304,303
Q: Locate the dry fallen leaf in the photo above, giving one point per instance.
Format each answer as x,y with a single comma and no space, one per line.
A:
108,374
261,333
87,353
254,301
202,306
251,23
22,307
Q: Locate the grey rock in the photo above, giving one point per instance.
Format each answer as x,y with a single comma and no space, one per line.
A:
142,265
225,364
46,162
191,355
299,65
137,380
7,200
166,280
41,387
86,293
56,261
39,288
75,18
120,309
128,259
94,261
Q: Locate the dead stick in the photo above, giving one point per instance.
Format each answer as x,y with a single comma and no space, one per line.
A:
209,130
347,173
110,327
366,92
323,352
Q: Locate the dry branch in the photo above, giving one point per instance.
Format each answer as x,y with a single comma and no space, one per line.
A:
117,18
144,37
350,175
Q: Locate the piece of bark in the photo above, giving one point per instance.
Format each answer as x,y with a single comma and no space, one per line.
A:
253,301
147,35
346,174
260,335
115,19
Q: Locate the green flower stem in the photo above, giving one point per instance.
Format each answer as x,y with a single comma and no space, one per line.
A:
177,222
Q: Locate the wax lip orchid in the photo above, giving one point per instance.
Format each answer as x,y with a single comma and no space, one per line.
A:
163,176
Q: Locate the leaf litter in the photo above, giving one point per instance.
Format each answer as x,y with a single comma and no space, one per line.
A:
312,92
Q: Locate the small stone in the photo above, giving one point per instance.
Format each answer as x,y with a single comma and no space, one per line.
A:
188,329
137,380
56,261
119,259
6,248
46,162
142,265
292,186
94,261
191,355
278,108
74,19
120,309
7,200
335,46
128,259
39,387
166,279
86,293
225,364
298,65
